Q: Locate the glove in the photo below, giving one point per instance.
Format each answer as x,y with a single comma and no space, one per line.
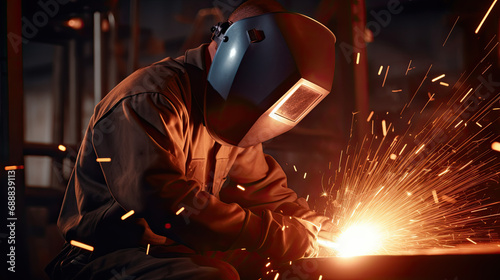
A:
286,238
328,231
300,210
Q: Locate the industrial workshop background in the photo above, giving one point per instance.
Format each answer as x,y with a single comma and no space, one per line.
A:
60,57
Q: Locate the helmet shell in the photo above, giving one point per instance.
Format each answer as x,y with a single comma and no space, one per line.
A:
264,62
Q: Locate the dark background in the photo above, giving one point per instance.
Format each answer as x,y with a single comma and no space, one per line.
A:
48,84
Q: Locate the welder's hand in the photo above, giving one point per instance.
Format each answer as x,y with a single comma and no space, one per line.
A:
287,238
328,231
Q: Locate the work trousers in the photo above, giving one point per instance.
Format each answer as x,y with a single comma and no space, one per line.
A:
134,264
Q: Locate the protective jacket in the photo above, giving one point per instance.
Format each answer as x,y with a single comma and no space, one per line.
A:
146,149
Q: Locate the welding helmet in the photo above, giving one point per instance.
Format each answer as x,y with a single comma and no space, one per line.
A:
268,73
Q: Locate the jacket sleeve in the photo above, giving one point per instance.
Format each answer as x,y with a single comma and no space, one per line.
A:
144,137
265,185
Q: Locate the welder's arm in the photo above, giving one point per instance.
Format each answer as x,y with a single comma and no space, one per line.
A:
265,186
147,174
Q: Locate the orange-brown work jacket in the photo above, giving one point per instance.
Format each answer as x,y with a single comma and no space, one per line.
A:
146,149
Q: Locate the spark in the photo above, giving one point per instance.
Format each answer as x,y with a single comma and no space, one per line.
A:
294,168
444,84
465,96
444,172
307,198
81,245
13,167
384,128
240,187
482,209
357,58
103,159
370,116
485,16
277,275
379,191
487,68
472,241
128,214
408,68
268,264
380,70
450,31
305,175
320,277
386,71
438,78
490,41
147,249
397,90
435,196
448,199
61,148
419,149
495,146
179,211
431,98
402,149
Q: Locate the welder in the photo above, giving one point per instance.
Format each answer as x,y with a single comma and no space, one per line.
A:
179,144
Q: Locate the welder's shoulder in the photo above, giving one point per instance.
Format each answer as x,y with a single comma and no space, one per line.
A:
164,82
